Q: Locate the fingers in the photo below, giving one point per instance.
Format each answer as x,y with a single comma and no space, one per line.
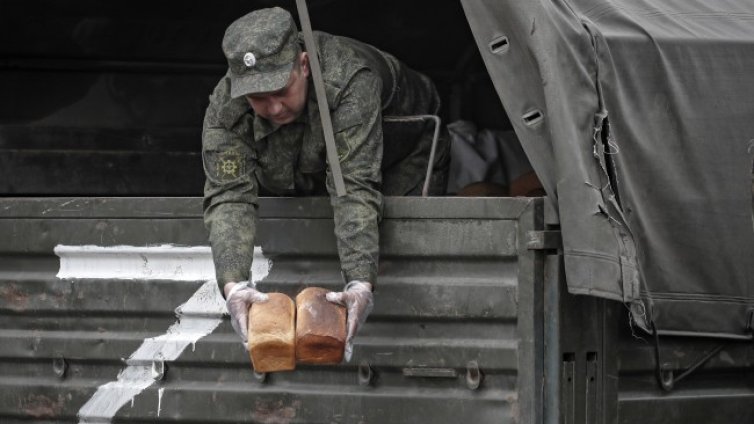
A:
348,352
337,298
358,300
243,324
238,303
359,306
253,296
239,320
352,324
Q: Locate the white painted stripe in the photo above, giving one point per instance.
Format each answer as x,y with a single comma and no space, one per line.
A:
198,317
160,391
152,353
167,262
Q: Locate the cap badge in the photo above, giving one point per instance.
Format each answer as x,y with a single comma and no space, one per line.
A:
249,59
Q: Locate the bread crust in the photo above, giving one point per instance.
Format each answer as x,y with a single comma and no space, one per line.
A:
272,334
320,328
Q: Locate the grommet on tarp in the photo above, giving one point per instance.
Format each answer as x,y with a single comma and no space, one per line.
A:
365,373
59,366
473,375
499,45
532,117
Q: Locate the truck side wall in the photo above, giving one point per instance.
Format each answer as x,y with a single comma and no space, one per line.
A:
459,297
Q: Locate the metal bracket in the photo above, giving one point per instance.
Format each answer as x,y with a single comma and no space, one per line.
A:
158,369
543,240
432,150
260,376
59,366
474,376
365,373
665,376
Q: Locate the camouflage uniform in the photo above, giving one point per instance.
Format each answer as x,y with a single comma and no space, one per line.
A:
245,156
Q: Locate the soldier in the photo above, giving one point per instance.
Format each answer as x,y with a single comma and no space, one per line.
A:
262,135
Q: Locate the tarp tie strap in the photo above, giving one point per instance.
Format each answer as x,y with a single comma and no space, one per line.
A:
319,89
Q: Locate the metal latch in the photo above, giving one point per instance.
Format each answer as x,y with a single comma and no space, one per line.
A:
430,372
473,377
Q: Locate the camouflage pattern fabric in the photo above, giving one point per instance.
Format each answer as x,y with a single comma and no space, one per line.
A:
246,156
260,47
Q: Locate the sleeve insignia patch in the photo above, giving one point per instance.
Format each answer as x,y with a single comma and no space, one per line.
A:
226,166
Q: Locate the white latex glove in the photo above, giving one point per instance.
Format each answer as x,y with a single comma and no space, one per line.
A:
239,299
357,298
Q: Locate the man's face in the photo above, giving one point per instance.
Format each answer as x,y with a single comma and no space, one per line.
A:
285,105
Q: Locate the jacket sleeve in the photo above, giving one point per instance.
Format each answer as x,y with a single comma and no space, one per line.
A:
230,189
357,122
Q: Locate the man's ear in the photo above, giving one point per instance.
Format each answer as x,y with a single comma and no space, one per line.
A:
305,63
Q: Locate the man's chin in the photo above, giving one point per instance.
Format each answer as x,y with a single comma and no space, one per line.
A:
283,120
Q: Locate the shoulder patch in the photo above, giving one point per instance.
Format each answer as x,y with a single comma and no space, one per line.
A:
230,164
224,166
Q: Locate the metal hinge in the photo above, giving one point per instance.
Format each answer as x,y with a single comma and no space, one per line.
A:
543,240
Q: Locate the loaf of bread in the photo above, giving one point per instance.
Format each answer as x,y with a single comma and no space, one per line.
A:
320,328
272,334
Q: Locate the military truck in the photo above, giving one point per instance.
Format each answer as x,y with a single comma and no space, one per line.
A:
624,295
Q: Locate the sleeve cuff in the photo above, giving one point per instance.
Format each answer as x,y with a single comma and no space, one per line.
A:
366,272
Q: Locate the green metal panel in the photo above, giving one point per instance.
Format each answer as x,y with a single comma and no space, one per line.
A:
720,391
600,370
458,284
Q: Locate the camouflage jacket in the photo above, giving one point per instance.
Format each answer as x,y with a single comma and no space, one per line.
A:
245,156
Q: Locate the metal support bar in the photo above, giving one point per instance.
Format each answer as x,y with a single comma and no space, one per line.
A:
319,89
664,375
435,136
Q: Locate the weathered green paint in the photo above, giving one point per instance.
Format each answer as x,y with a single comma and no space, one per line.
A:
453,290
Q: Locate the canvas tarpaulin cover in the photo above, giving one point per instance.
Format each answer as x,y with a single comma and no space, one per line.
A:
638,117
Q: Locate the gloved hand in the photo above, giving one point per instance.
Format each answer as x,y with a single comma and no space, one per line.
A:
357,298
238,301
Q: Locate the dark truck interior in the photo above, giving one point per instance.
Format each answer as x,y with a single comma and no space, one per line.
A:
107,98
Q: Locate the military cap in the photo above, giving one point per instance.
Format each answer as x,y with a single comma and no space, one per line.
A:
261,48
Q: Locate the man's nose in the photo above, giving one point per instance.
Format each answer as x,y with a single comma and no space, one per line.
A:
275,107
